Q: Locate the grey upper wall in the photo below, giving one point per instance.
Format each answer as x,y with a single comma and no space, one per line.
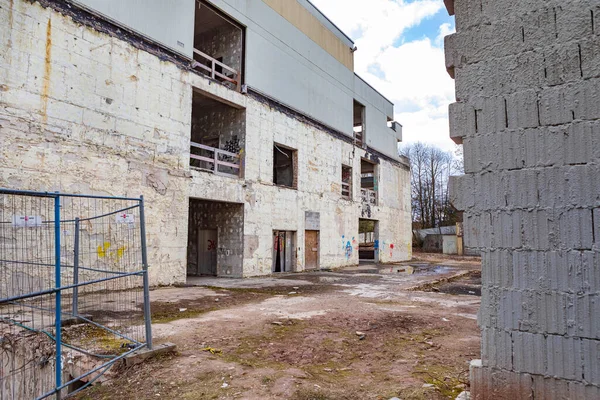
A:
285,64
281,61
170,23
379,111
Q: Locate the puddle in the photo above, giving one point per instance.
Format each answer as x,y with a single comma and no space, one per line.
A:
466,285
432,269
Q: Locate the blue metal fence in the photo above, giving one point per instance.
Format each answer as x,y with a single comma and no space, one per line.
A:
74,290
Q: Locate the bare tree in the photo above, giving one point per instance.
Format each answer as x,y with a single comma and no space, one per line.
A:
430,169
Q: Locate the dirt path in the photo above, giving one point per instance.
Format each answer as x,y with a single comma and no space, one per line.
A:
326,335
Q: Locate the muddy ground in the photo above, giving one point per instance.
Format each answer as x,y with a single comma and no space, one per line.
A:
358,333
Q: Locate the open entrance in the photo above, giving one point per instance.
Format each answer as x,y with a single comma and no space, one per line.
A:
311,249
215,238
218,133
359,124
284,251
368,240
218,46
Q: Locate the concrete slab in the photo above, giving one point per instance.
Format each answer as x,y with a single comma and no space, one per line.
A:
145,353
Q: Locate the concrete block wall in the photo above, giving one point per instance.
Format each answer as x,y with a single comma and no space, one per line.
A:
528,116
88,112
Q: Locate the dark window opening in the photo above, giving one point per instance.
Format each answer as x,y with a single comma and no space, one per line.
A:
346,182
284,167
359,124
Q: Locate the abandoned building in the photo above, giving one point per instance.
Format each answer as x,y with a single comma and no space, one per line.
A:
527,86
242,123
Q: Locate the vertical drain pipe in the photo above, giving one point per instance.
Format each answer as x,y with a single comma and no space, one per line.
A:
147,319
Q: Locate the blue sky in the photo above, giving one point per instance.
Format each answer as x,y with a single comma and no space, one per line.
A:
400,52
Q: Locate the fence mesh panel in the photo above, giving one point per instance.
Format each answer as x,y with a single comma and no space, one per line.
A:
73,293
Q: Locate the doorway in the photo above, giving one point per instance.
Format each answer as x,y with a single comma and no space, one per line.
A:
215,239
311,249
368,243
284,254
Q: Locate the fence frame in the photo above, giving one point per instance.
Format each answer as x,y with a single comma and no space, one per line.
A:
59,288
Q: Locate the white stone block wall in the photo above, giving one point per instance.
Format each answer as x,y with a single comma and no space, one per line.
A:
528,115
85,112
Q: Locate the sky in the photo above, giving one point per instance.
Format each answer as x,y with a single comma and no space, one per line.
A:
401,53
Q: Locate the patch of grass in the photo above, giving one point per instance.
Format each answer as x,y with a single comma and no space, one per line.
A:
309,394
95,339
166,316
447,381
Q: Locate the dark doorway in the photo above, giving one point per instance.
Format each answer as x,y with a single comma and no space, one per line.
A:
215,238
284,254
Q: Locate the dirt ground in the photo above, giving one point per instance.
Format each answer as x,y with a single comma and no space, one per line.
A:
359,333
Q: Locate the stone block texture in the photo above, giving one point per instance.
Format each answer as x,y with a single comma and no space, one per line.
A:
85,110
527,112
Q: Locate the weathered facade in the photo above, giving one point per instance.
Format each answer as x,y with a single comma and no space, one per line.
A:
527,115
94,103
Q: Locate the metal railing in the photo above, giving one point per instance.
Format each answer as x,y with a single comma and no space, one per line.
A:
74,290
208,65
214,160
368,196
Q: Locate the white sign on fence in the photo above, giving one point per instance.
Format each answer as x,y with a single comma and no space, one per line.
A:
26,221
124,218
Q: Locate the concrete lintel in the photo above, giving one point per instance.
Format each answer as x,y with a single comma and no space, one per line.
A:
145,353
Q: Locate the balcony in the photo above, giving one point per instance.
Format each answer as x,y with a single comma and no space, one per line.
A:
217,136
218,46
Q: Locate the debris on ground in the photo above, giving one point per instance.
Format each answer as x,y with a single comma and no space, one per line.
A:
212,350
261,344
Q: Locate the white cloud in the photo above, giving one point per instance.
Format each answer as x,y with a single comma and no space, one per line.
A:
411,74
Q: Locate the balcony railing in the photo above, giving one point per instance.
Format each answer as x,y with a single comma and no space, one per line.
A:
208,65
369,196
358,138
210,159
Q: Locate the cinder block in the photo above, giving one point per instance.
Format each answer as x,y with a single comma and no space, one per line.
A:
562,64
522,109
587,308
591,358
497,347
462,121
495,384
462,191
529,352
564,357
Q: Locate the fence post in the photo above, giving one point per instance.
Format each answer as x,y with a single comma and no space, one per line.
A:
147,317
57,295
76,270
